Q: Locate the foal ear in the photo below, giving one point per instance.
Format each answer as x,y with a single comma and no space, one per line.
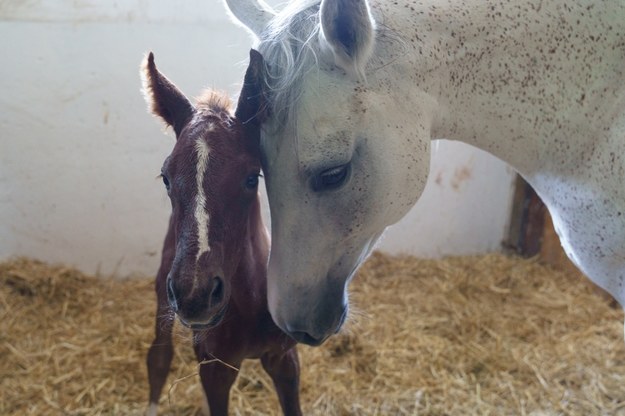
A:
254,15
252,106
348,31
164,99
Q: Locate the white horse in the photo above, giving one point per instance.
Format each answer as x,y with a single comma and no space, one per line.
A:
353,91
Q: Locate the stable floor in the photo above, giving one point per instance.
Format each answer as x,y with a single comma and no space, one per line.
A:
479,335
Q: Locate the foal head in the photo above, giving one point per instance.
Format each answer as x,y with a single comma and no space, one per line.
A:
211,177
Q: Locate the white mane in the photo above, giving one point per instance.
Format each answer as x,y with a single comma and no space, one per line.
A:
290,44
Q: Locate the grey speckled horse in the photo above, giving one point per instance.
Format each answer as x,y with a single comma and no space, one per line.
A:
353,92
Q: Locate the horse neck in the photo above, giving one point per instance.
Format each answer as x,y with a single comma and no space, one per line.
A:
514,79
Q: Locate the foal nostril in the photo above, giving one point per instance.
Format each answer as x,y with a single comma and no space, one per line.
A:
171,296
217,294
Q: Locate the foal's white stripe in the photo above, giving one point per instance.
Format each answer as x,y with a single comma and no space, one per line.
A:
201,215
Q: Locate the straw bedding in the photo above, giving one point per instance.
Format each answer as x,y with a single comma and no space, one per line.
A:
483,335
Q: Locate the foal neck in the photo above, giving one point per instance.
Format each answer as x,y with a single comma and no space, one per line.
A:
249,292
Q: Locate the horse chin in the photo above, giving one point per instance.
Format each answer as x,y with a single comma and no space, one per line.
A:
311,323
319,335
211,323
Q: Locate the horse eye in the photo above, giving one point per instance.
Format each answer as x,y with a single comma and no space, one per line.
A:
165,181
331,178
252,181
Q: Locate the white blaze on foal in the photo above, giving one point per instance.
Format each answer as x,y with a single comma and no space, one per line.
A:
201,214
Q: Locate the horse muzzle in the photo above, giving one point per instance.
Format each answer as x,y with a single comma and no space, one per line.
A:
316,336
213,321
312,321
200,307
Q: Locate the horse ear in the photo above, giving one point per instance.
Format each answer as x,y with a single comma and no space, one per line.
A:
164,99
348,31
252,105
254,15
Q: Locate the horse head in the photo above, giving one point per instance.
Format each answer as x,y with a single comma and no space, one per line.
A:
338,151
211,177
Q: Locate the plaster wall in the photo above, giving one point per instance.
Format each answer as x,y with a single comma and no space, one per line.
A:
79,155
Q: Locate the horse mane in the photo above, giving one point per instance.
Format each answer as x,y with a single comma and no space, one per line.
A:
211,101
289,44
290,48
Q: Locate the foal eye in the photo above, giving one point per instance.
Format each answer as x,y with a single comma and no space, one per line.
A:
331,178
165,181
252,181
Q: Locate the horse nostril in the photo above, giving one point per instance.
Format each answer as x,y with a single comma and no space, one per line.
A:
171,296
217,293
305,338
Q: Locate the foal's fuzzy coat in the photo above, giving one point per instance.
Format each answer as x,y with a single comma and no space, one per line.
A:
213,267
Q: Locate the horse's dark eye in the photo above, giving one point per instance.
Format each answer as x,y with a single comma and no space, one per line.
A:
331,178
165,181
252,181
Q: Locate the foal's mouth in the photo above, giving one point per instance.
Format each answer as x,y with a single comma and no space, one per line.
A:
211,323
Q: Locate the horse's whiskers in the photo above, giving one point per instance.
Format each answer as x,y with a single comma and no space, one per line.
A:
354,320
200,336
183,335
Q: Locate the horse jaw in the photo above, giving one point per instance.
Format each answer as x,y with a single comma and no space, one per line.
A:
322,311
253,15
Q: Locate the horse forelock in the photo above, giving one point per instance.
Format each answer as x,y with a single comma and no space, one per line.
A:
290,51
214,115
211,101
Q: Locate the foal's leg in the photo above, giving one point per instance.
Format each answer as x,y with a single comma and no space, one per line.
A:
159,358
162,350
283,369
217,380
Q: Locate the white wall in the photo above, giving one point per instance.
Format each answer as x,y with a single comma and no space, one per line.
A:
79,154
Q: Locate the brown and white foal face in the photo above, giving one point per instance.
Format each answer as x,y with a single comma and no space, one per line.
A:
211,178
